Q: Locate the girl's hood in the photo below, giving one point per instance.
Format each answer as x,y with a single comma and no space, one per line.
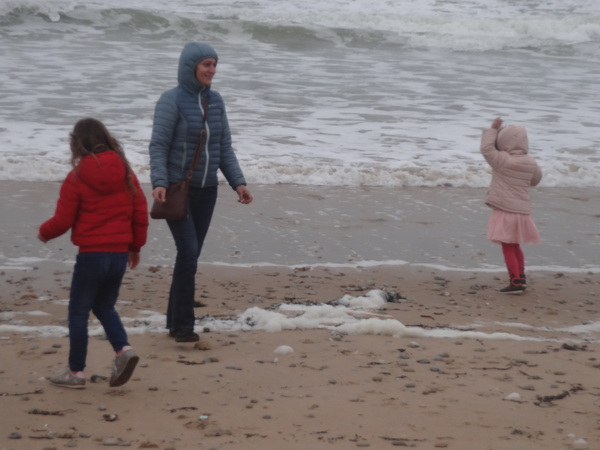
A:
103,172
513,139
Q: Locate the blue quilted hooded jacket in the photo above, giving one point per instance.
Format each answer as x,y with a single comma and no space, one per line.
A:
177,125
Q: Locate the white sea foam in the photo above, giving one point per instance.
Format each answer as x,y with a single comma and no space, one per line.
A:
353,315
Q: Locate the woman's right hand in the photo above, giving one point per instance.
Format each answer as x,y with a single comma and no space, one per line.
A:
159,194
497,123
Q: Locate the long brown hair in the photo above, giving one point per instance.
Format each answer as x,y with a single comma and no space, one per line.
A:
90,136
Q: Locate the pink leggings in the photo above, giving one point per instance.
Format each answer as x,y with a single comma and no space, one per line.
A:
514,259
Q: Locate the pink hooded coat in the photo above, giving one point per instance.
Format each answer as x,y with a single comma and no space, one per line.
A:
513,170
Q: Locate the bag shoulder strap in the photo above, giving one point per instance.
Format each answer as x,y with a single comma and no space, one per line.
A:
201,141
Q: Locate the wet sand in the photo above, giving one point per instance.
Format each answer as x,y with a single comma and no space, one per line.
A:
293,225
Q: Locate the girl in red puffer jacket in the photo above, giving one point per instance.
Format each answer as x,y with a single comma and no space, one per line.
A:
513,173
101,201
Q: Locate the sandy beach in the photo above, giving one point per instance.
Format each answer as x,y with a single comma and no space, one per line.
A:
445,361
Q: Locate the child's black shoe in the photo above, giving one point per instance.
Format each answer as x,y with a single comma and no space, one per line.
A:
516,286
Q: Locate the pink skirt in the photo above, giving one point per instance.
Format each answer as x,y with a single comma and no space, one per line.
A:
512,228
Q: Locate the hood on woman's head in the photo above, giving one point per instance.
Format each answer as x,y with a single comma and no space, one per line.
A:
513,139
191,55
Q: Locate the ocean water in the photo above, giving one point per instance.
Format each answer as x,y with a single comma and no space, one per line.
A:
338,93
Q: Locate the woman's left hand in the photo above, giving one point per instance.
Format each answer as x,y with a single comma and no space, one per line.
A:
244,194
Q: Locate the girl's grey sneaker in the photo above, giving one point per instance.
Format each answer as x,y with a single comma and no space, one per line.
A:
123,366
68,379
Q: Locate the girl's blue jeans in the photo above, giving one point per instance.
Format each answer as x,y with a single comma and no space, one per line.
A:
189,234
95,287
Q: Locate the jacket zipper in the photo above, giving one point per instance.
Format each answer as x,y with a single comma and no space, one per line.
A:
206,139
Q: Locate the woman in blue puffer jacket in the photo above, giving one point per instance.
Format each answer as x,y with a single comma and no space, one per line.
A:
178,121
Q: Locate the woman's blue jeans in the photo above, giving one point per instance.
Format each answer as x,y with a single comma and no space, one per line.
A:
189,234
95,287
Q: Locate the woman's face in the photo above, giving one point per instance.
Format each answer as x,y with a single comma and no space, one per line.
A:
205,71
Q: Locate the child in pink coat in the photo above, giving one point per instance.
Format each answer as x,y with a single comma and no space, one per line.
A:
513,173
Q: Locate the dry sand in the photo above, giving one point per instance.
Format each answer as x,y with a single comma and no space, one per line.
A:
335,390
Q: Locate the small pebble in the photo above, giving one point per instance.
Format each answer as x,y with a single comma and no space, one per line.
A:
513,397
284,350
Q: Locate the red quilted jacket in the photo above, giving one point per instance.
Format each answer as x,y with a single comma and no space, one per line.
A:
96,203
